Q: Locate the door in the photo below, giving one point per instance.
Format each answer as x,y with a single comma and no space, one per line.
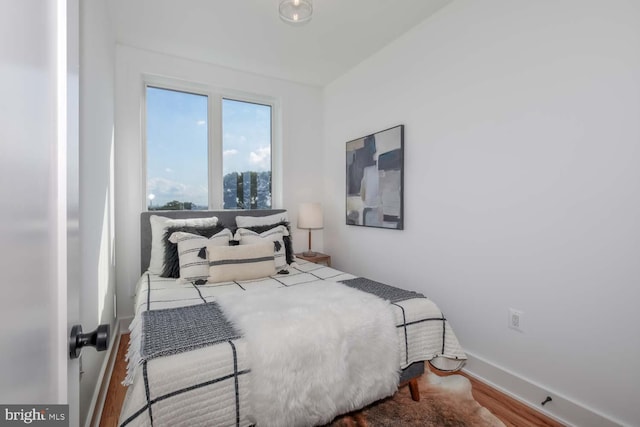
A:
38,201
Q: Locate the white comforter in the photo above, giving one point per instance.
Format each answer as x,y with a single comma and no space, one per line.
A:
310,351
211,385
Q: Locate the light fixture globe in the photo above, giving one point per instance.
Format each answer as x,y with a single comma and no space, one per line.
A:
296,11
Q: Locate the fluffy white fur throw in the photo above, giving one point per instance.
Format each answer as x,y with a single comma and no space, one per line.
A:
316,350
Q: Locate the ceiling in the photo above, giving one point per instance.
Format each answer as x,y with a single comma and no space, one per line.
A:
248,35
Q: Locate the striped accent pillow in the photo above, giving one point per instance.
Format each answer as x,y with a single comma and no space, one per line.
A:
159,225
264,223
275,235
192,266
253,221
246,262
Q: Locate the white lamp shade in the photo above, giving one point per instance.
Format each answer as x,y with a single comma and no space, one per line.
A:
310,215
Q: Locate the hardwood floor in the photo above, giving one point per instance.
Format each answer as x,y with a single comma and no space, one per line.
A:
116,391
511,412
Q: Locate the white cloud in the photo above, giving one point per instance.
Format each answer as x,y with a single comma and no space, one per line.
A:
260,154
261,158
231,152
166,187
168,170
201,122
167,190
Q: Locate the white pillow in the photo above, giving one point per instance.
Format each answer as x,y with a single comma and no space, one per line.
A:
275,235
229,263
257,221
192,266
159,225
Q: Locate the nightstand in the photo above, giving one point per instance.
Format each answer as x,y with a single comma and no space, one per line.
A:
318,258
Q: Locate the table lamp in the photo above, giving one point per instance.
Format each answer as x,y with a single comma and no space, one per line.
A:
310,218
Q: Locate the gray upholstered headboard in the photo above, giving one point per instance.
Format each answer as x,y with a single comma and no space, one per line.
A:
226,218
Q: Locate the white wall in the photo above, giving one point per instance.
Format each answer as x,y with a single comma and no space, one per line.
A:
300,139
97,93
521,185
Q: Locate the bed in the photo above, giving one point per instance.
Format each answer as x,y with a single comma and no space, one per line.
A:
297,347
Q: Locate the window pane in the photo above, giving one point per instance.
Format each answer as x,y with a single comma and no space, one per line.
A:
177,141
246,150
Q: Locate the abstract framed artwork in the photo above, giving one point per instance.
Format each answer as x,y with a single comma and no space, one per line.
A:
375,180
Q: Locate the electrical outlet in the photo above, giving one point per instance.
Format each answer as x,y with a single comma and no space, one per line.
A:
515,319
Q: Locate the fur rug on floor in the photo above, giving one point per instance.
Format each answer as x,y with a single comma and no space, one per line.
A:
444,402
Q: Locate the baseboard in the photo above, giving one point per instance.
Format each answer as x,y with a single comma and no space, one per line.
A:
561,408
123,324
102,385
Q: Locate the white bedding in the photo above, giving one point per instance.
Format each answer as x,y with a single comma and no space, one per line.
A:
310,351
210,385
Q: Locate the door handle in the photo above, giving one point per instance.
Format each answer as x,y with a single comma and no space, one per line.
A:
98,339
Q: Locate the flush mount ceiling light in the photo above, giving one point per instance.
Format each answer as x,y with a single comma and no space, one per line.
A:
296,11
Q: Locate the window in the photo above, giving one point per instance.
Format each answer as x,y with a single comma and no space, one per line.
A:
204,151
246,145
177,147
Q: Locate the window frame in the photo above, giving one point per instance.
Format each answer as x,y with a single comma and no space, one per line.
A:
215,97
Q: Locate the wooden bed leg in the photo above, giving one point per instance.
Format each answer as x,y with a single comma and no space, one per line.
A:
413,388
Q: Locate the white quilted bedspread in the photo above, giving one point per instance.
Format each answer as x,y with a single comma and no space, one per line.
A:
210,385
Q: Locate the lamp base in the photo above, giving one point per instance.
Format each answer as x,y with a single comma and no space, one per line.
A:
309,253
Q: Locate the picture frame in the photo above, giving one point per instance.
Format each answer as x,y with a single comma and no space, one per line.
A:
375,180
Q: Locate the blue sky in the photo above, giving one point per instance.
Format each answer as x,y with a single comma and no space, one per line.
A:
177,144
